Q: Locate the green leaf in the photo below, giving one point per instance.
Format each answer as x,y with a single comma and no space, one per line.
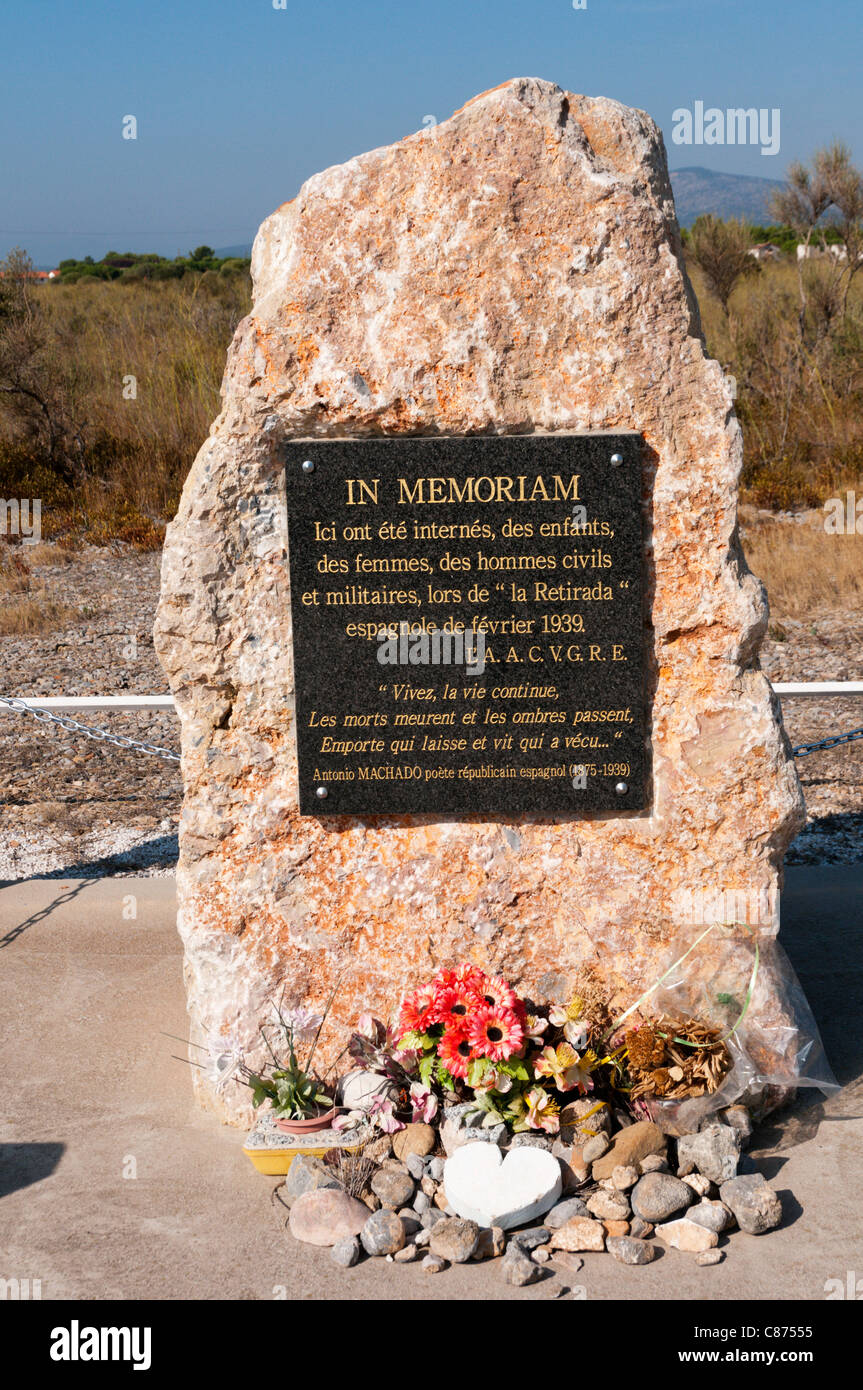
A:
477,1070
445,1078
426,1069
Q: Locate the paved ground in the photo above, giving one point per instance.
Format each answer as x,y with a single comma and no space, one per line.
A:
90,1090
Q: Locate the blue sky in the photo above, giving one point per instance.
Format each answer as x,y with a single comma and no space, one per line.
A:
237,102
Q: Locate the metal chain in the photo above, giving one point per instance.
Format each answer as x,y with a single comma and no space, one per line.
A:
45,716
803,748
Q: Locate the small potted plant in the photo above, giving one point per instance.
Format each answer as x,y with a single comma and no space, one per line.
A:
299,1103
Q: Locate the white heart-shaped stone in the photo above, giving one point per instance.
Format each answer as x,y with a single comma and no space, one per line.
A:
483,1186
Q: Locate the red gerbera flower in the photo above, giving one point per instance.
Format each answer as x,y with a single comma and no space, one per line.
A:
455,1051
417,1010
498,994
470,977
495,1033
454,1006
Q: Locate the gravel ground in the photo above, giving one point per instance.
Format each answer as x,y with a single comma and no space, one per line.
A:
72,807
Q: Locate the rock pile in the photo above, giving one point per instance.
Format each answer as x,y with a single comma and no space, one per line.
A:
507,1200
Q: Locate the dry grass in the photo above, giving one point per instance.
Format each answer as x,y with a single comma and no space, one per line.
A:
137,369
27,603
805,569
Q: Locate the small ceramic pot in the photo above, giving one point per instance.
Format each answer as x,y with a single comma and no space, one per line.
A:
310,1124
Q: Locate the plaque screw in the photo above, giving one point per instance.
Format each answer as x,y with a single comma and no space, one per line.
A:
616,460
621,788
308,466
321,793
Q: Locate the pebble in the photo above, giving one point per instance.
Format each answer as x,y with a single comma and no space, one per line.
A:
406,1255
710,1257
415,1166
714,1215
573,1263
383,1233
421,1203
581,1233
519,1269
630,1251
431,1217
429,1186
490,1244
454,1240
739,1118
654,1163
306,1175
346,1252
422,1237
755,1205
581,1120
624,1176
699,1184
609,1206
433,1264
565,1211
640,1229
657,1196
326,1215
541,1255
687,1235
595,1148
410,1221
394,1189
616,1228
415,1139
530,1239
436,1169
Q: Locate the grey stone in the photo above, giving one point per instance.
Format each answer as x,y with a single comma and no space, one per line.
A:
421,1203
630,1251
383,1233
454,1240
640,1229
518,1268
433,1264
410,1221
714,1215
530,1239
431,1217
595,1148
491,1243
565,1211
713,1151
436,1169
738,1117
395,1189
306,1175
415,1165
657,1196
346,1252
422,1237
531,1141
541,1255
755,1205
406,1255
624,1176
653,1163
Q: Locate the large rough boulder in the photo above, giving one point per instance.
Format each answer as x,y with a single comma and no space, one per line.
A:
515,268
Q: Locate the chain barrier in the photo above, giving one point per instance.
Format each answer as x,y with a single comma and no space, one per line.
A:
803,748
72,726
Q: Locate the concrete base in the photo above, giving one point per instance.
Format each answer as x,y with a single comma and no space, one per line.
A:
91,1095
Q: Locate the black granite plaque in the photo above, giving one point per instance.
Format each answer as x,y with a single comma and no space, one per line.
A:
467,624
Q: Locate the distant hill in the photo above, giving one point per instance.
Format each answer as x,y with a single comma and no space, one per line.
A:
225,253
699,190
